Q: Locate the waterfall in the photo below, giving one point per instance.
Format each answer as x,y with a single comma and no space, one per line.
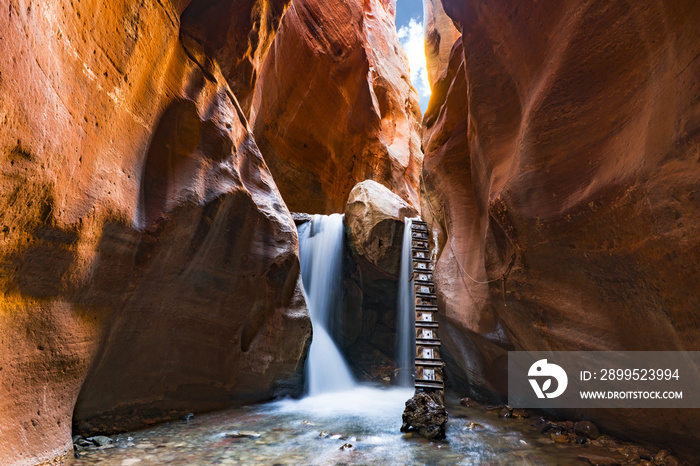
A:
321,255
405,313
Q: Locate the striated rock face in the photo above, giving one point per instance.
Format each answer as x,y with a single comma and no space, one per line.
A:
561,151
334,105
440,36
236,34
147,261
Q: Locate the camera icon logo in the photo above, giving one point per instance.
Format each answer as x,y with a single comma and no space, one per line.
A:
541,369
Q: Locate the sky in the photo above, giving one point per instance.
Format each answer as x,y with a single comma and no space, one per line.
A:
409,24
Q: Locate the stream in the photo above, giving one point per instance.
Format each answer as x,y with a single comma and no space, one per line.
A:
313,430
340,421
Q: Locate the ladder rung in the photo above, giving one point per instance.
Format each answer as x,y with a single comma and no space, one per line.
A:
427,342
426,324
429,384
438,383
430,363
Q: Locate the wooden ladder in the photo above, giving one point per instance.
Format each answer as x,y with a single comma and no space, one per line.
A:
429,366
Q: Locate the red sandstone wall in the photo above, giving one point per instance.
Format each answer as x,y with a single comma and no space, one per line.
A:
147,260
567,136
334,105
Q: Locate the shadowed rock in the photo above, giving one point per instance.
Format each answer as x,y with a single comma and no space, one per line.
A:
561,169
425,414
148,265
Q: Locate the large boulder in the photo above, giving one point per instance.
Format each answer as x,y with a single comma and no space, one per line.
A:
561,170
148,264
374,219
334,105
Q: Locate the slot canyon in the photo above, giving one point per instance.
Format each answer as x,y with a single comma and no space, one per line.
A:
206,208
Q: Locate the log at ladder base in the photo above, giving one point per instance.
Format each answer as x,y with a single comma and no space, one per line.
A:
425,412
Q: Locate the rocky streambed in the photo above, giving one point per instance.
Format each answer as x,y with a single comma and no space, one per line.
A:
357,427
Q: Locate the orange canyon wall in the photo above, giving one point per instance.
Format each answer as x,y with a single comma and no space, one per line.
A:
562,152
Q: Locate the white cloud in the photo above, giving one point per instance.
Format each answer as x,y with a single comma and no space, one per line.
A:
411,38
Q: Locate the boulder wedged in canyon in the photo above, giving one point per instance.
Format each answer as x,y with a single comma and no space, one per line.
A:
149,263
334,105
374,219
561,169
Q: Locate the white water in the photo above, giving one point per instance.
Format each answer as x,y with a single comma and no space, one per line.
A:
405,314
321,255
361,401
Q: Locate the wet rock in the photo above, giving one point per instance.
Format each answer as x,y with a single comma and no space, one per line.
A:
473,425
300,218
100,440
80,444
493,409
426,415
521,413
544,426
661,455
587,429
505,413
561,438
468,402
347,446
599,460
243,434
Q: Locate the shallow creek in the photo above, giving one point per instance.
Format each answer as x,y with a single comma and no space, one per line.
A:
313,431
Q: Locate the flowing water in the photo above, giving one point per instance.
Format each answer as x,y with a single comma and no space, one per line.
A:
340,422
312,431
405,314
321,243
